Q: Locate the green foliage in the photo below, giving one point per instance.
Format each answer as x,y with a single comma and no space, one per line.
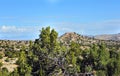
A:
15,73
53,38
5,71
117,65
1,64
23,69
45,37
22,58
46,48
1,56
7,60
47,56
103,57
73,65
41,72
94,52
11,54
88,69
101,73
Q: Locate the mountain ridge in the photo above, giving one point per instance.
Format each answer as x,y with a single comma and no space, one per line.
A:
115,37
85,40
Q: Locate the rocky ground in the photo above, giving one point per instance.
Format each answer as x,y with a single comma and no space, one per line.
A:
10,64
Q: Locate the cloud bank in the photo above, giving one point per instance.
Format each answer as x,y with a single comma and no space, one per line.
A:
95,28
8,29
19,32
32,32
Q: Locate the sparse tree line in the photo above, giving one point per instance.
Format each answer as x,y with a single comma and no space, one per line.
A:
48,57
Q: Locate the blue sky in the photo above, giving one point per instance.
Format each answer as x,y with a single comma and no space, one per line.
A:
22,19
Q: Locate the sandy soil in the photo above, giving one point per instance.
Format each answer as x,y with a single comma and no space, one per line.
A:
9,65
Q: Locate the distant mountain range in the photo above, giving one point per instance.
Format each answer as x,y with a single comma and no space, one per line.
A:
109,39
115,37
88,40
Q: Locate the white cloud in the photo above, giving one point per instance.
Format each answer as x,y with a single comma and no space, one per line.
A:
19,29
93,28
7,29
32,32
19,32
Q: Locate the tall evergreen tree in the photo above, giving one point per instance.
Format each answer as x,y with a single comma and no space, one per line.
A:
45,38
45,48
53,39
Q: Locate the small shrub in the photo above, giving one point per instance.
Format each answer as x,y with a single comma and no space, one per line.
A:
7,60
1,56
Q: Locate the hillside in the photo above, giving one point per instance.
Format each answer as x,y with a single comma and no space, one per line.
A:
9,53
11,45
66,38
115,37
85,40
71,54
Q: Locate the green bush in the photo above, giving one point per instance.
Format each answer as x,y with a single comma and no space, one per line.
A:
1,64
1,56
7,60
101,73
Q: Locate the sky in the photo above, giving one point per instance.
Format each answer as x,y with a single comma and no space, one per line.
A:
23,19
